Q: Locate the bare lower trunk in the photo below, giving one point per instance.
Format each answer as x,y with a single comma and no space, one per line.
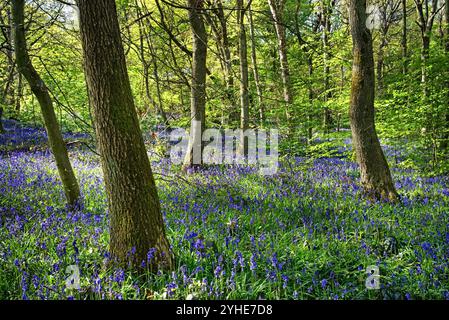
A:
327,121
227,55
244,95
424,60
136,223
277,8
375,173
256,71
198,85
380,67
40,90
445,142
311,97
404,38
19,93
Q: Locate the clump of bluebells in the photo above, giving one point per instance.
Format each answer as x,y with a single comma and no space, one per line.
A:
305,233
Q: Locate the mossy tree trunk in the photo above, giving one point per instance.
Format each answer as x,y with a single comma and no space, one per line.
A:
198,85
244,82
40,90
375,173
277,12
445,140
136,223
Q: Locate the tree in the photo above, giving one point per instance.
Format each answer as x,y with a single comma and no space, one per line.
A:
244,82
217,20
40,90
375,173
387,10
404,38
326,25
136,224
427,11
277,9
256,69
198,85
445,142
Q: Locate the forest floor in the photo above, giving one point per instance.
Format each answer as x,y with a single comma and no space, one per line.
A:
305,233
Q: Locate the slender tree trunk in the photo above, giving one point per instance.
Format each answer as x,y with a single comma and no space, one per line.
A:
446,18
277,8
311,98
425,41
160,106
404,38
40,90
380,65
19,92
256,70
136,223
445,141
326,30
375,173
144,39
198,85
244,82
8,96
227,53
426,11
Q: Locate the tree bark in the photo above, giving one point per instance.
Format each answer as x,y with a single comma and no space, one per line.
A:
380,65
144,38
40,90
19,93
198,85
277,8
136,223
445,140
425,54
227,54
8,92
244,82
426,16
326,30
217,20
404,38
256,70
375,173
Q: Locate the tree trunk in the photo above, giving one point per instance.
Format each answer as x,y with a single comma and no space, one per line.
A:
375,173
19,93
227,54
326,30
311,98
404,38
425,41
143,35
136,223
198,85
40,90
380,65
277,8
256,70
244,95
8,93
426,12
445,140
